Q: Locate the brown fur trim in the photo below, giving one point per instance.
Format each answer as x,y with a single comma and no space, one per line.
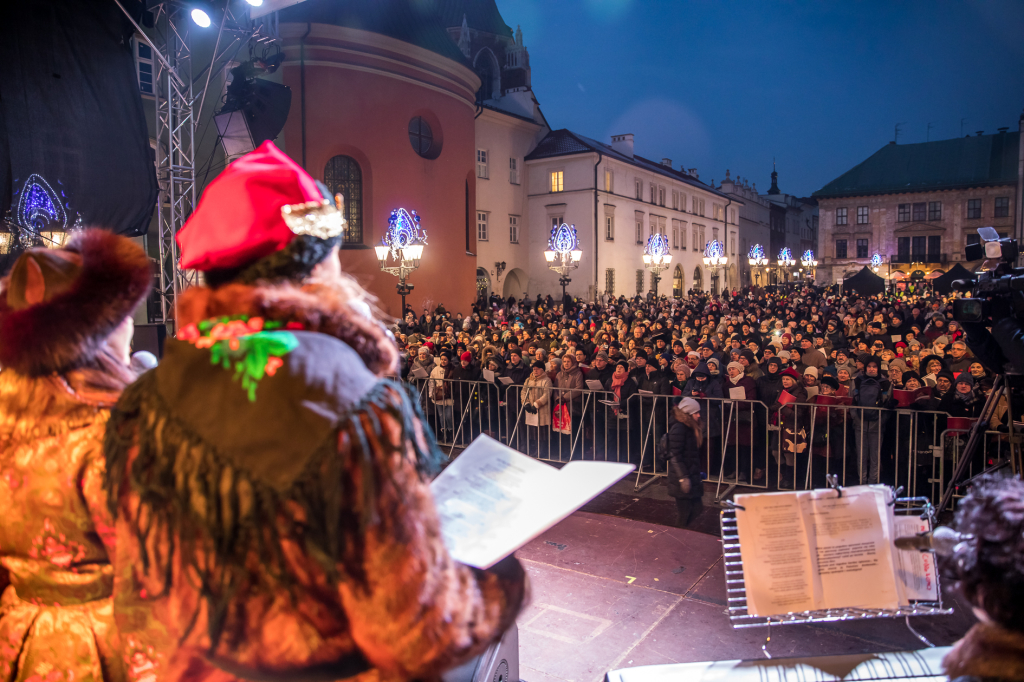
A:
320,306
987,651
69,330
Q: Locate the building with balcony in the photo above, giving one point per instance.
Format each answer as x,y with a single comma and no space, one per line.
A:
918,205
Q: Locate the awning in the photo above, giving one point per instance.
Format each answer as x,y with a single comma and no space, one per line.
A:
934,274
898,275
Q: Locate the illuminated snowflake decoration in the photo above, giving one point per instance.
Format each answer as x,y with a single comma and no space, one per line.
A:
756,251
876,260
42,214
786,254
564,239
714,249
403,230
808,255
657,245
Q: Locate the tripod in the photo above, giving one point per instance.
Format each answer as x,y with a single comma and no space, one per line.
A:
1000,388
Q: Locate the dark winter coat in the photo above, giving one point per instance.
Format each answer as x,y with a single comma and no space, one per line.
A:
684,461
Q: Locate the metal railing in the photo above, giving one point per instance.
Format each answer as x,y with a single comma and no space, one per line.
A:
746,442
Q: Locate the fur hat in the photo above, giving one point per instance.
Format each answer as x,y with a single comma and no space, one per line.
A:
57,308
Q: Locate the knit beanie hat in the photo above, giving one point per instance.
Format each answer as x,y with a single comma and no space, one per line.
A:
689,406
466,357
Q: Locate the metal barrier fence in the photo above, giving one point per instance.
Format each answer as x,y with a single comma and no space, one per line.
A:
746,442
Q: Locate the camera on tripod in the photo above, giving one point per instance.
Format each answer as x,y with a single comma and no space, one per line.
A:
999,290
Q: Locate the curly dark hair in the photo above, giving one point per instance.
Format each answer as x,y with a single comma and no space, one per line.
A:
987,566
295,262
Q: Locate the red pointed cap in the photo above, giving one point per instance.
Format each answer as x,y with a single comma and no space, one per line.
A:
239,218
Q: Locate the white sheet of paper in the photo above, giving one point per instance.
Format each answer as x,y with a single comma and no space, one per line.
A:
505,380
609,403
594,385
418,373
812,391
437,361
492,500
488,375
916,570
738,393
532,418
896,338
643,392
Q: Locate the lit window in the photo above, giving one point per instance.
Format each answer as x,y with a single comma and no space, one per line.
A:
513,229
343,176
608,180
144,66
513,171
481,226
557,181
481,164
841,216
862,215
1002,207
609,281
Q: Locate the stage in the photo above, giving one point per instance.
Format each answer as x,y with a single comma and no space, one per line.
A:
611,592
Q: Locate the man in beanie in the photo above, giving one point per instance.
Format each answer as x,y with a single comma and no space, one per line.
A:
65,339
274,516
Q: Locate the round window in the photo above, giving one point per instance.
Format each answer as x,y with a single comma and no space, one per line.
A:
422,138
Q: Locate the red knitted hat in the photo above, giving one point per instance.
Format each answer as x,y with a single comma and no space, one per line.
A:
790,372
253,209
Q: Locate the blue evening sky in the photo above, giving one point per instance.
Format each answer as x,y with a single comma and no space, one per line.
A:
818,86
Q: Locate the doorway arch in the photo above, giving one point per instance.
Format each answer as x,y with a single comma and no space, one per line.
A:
677,282
483,284
515,284
698,279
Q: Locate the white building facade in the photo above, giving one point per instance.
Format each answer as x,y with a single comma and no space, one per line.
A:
616,200
754,227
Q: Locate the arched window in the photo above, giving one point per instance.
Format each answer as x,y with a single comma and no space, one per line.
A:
677,282
698,279
486,69
342,175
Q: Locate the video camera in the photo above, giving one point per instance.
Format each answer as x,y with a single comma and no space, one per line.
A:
999,290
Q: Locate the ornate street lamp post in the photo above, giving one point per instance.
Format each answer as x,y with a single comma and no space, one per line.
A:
807,260
758,261
563,253
785,261
714,259
657,258
402,247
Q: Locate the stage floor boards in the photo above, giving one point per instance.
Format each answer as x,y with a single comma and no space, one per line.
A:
611,592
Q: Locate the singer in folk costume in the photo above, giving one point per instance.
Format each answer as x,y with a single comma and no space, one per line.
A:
274,518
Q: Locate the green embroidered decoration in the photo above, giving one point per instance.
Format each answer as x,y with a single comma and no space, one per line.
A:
250,346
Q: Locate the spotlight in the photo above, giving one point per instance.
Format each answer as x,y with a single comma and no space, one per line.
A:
255,3
200,16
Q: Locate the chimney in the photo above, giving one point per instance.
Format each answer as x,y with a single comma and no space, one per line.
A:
1002,130
980,133
623,144
666,162
693,173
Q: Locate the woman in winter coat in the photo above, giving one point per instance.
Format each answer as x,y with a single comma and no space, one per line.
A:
65,330
536,397
685,438
442,392
569,392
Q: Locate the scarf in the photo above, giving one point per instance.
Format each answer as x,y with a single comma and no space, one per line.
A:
617,383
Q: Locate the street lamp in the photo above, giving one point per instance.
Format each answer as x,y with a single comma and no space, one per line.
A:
758,261
807,260
714,258
657,258
404,244
563,253
785,261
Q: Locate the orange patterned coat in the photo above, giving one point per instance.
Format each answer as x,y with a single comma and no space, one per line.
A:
56,613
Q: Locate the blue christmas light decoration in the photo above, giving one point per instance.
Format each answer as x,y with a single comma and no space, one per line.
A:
714,249
808,255
403,231
563,239
756,252
876,260
38,206
657,245
786,254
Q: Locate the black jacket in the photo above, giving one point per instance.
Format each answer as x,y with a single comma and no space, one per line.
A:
684,461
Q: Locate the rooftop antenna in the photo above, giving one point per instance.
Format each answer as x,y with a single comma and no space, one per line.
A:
962,126
928,135
896,136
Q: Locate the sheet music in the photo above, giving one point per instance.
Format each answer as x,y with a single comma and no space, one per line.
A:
492,500
738,393
488,375
418,373
594,385
505,380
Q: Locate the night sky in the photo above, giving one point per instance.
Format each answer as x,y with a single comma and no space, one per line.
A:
818,86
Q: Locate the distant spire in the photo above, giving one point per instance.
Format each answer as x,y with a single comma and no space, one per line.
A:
464,37
519,36
775,180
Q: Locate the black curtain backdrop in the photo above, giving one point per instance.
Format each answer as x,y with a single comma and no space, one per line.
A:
71,116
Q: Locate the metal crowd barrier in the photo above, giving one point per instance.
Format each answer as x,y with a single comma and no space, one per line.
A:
746,443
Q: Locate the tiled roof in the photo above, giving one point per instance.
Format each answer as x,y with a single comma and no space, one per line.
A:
565,142
979,161
411,21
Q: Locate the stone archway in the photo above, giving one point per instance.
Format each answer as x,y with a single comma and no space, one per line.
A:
678,288
515,284
483,284
698,279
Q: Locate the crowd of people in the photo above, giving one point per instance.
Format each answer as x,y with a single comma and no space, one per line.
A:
782,350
